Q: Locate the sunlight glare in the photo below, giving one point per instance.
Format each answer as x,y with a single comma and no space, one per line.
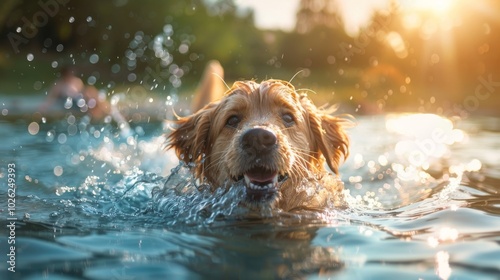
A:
447,234
425,138
443,269
433,6
474,165
417,125
397,44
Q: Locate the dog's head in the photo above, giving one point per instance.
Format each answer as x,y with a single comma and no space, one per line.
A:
262,133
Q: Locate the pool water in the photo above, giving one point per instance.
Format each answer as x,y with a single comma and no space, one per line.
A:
92,202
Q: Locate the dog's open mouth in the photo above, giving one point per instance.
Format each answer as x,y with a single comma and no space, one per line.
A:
262,183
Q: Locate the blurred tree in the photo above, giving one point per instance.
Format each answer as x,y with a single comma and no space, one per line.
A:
318,49
122,34
317,13
316,40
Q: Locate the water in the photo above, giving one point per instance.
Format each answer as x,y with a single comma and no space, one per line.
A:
421,192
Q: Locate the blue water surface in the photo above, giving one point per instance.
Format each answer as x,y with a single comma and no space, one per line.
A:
93,202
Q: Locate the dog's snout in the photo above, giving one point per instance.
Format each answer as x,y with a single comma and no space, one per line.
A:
258,139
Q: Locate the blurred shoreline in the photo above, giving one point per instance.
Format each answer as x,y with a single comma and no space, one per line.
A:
156,108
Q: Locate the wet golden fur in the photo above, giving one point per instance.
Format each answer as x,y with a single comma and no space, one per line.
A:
207,142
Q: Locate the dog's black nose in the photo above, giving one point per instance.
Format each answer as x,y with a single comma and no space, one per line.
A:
259,140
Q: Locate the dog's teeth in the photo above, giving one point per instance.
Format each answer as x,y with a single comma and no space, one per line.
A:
259,187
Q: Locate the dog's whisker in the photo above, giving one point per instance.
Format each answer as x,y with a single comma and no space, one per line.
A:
295,75
215,162
222,80
302,155
301,151
306,90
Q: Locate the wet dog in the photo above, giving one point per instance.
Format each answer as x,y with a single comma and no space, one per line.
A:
269,138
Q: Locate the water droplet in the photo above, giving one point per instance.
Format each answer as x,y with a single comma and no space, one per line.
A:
131,77
30,57
89,19
183,48
91,80
50,136
115,68
94,58
168,30
37,85
331,59
62,138
33,128
72,129
54,64
58,170
47,42
80,103
71,119
69,103
71,19
59,47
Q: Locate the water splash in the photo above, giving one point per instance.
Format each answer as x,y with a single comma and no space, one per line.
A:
411,166
182,200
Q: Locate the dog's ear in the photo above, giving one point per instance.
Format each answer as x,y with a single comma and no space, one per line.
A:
191,136
328,133
335,143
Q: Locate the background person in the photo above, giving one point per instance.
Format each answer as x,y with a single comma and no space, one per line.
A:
69,92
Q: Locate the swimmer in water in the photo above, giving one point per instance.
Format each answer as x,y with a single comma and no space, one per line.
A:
71,94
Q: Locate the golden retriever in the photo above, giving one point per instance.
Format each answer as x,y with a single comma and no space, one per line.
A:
269,138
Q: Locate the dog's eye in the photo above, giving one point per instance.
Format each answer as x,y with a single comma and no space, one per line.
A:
288,119
233,121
